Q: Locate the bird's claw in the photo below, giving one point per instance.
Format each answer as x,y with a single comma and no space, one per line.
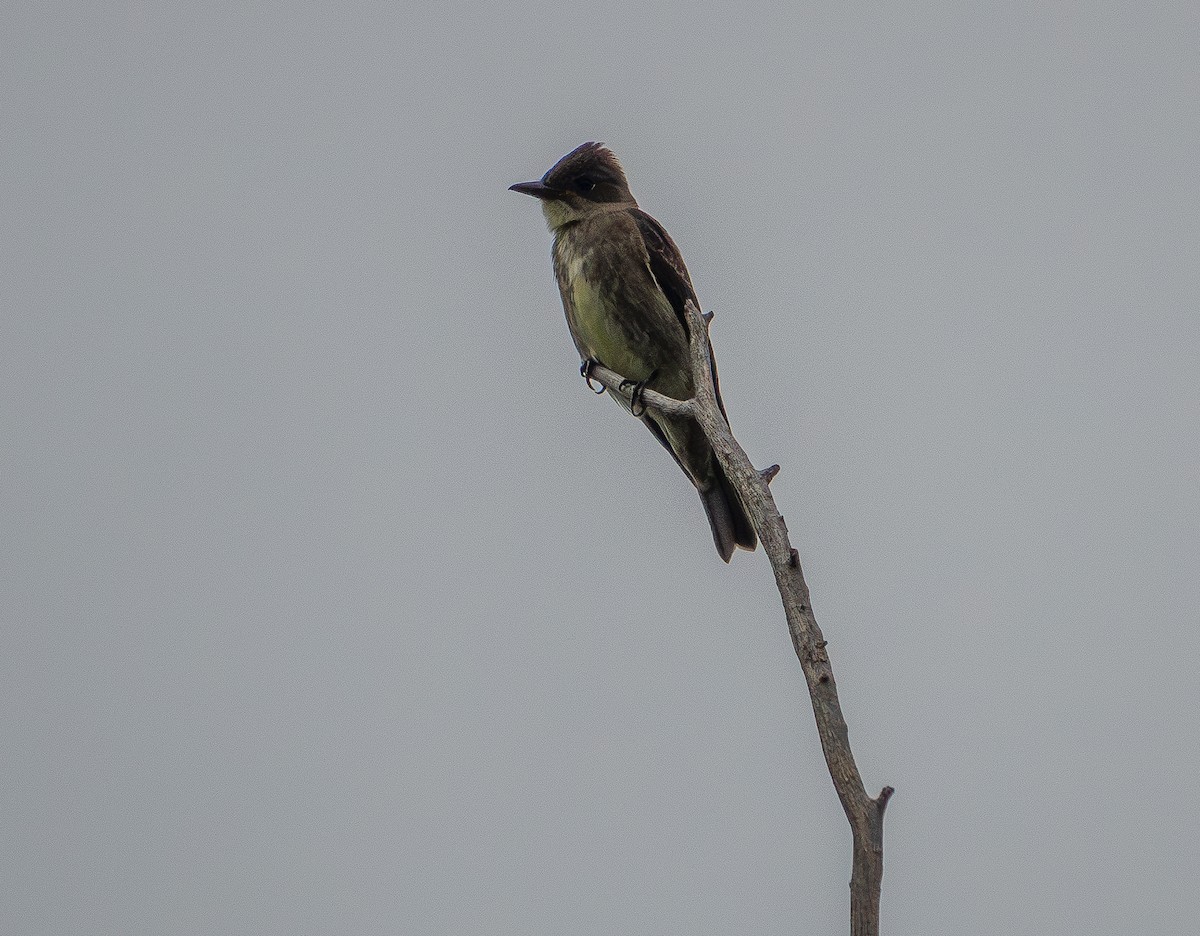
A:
635,396
585,371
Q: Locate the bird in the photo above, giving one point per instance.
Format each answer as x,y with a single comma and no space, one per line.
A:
624,288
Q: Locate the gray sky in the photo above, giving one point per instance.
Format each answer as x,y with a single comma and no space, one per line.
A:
334,603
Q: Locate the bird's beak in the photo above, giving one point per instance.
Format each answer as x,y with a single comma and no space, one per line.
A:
536,189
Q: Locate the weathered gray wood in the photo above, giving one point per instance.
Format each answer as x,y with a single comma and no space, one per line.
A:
864,813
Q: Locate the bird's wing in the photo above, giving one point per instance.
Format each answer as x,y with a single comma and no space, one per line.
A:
666,263
670,272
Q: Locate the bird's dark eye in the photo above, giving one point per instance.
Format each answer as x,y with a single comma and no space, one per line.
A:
584,184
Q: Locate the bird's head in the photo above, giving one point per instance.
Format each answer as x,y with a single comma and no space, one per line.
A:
588,179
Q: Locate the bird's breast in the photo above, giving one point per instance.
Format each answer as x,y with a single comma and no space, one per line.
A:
606,325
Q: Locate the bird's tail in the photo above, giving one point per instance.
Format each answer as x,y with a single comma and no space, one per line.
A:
731,526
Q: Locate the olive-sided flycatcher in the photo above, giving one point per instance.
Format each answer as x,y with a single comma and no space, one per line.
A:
624,286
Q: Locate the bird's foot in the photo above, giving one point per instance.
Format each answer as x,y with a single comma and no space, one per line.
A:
585,371
635,396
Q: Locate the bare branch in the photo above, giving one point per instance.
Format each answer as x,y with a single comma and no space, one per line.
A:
753,487
614,383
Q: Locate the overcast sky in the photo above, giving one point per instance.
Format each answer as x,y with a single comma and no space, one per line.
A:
333,603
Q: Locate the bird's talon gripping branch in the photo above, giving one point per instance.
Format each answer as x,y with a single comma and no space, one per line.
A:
635,395
585,371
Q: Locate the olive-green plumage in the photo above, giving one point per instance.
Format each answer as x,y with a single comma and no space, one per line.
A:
624,285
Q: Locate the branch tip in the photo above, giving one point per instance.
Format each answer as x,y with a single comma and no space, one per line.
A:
768,474
881,800
707,316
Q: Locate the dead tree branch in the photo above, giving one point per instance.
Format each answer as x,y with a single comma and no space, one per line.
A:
864,813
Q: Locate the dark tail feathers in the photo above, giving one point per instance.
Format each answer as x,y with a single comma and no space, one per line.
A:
730,525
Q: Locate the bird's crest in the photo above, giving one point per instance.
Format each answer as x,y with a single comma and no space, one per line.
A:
593,159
